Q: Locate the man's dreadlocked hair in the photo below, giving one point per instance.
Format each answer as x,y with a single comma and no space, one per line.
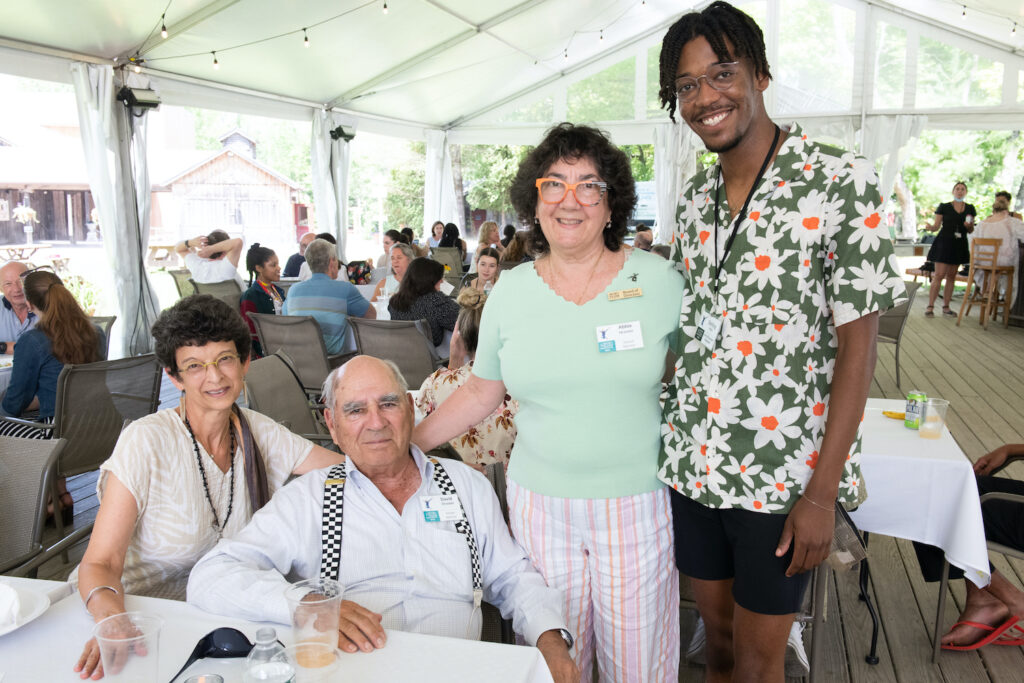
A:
718,21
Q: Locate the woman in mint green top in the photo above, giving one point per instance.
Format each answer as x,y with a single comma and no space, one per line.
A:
579,339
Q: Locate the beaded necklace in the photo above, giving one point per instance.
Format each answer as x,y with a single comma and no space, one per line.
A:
217,526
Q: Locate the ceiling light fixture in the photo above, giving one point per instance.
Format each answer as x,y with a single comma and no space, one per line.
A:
305,38
163,25
216,64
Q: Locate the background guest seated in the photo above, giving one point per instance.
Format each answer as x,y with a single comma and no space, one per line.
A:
182,478
326,298
304,272
263,296
295,261
419,298
401,256
450,238
486,275
212,258
491,440
15,316
517,250
994,614
400,569
489,239
390,239
508,233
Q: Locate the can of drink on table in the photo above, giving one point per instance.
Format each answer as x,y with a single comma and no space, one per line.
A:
915,404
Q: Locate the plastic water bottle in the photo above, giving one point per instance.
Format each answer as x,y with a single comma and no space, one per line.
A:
259,666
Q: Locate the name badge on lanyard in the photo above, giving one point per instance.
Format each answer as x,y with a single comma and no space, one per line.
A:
443,508
708,330
619,337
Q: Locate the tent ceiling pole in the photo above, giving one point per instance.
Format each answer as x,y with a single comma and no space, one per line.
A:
53,52
494,21
934,23
562,74
416,59
184,24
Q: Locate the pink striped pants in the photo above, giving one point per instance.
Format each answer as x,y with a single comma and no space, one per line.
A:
613,560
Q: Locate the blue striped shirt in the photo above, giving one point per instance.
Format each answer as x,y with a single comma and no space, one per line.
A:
329,301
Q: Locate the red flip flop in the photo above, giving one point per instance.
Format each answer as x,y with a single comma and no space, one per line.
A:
994,632
1012,636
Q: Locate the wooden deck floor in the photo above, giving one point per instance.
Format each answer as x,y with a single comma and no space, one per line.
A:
981,373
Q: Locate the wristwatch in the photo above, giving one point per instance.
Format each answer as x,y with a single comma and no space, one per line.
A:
567,637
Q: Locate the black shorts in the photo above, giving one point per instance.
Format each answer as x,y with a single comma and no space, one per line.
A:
714,545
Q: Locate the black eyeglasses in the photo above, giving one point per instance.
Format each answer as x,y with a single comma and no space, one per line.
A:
219,643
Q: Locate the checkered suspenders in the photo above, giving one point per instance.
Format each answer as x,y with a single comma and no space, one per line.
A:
330,533
334,508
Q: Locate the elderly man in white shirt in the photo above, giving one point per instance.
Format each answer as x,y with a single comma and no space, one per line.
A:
400,569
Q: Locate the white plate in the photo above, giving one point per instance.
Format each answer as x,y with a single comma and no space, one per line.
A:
31,605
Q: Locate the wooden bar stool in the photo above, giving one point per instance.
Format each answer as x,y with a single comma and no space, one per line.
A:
983,261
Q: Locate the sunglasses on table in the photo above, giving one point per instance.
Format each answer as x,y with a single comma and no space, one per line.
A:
220,643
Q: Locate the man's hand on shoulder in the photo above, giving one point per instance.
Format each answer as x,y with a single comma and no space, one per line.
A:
556,655
359,628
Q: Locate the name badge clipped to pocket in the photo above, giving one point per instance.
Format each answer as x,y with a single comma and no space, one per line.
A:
708,330
443,508
619,337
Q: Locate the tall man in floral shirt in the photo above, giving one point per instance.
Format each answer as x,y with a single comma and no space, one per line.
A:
788,265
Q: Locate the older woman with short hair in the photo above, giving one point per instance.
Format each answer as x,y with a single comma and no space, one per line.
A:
579,338
401,256
182,478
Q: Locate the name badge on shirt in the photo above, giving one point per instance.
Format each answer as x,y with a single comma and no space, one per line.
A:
958,235
443,508
619,337
708,330
625,294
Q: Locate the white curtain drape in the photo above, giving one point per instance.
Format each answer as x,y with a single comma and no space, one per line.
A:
330,161
887,141
675,162
113,138
439,183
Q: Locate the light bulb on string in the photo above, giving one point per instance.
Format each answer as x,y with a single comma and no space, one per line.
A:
385,7
600,35
216,64
566,53
1013,31
963,15
138,69
163,26
305,38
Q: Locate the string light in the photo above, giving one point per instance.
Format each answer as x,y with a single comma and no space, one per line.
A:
600,34
1013,31
385,7
305,38
567,53
163,26
964,13
216,64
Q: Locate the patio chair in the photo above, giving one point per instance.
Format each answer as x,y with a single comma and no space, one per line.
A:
495,629
992,548
94,400
183,281
405,342
892,323
300,337
104,322
227,291
984,252
450,258
28,467
273,388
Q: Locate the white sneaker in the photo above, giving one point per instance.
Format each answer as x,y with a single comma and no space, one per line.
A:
797,665
695,652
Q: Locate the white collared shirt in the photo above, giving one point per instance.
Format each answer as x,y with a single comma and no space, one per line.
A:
413,572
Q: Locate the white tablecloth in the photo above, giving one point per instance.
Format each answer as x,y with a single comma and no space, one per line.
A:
6,367
47,648
922,490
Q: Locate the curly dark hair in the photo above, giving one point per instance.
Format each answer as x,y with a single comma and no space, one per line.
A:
195,321
570,142
719,22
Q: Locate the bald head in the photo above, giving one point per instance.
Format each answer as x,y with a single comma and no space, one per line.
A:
305,240
369,413
11,285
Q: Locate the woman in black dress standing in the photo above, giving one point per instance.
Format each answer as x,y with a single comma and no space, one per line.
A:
950,250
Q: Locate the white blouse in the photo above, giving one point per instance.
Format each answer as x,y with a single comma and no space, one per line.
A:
154,459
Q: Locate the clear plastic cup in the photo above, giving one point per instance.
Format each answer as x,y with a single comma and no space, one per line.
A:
933,418
129,647
312,662
314,606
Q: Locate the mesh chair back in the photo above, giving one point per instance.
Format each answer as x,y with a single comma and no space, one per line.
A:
227,291
93,402
300,337
104,322
183,281
450,257
892,322
26,470
274,389
400,341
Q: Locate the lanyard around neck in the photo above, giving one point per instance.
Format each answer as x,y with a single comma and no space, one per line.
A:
743,211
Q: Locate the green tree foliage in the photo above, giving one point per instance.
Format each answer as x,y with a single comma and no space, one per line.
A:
404,200
986,160
605,96
641,160
488,171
